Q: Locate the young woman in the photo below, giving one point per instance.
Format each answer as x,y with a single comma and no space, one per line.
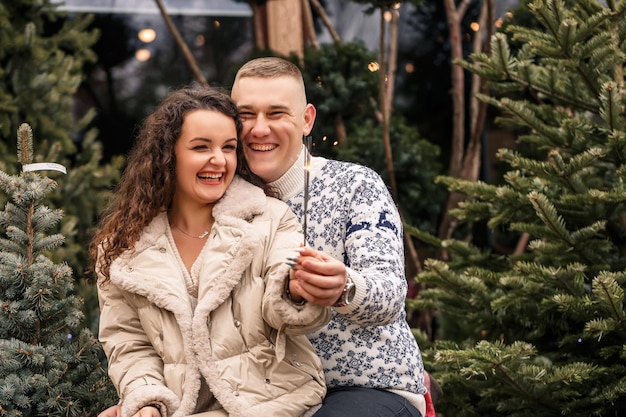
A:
192,262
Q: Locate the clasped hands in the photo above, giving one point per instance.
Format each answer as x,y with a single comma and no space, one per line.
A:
316,277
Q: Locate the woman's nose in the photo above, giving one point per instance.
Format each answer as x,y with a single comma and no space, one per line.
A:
217,159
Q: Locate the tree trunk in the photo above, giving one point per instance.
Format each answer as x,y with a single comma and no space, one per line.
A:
448,223
387,77
257,25
384,85
284,27
309,25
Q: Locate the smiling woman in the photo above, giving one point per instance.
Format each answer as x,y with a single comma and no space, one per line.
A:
206,159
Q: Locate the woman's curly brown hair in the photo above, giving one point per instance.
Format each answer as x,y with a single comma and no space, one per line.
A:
147,185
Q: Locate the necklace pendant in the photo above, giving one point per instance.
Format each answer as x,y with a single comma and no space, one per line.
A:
203,235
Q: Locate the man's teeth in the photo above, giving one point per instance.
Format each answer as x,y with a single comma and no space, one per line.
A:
258,147
210,176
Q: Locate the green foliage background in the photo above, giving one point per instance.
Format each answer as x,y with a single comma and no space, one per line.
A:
42,55
542,332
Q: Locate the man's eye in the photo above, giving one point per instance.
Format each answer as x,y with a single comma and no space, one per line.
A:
246,115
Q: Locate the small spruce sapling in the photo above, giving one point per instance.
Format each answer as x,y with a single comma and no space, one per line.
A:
49,365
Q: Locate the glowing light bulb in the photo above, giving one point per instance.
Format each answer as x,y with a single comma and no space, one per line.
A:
142,55
147,35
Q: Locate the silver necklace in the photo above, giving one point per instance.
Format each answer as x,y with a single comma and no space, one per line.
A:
201,236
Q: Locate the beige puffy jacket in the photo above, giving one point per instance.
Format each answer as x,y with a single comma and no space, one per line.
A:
242,339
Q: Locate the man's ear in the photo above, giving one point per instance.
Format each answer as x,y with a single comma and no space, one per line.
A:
309,119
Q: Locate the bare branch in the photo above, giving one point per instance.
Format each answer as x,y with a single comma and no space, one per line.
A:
309,27
319,9
463,7
464,162
182,45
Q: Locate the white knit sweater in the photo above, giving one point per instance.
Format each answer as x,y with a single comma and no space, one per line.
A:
352,218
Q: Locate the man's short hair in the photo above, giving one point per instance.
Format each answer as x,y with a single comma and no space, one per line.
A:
269,67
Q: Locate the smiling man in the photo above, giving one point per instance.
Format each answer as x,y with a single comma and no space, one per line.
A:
372,364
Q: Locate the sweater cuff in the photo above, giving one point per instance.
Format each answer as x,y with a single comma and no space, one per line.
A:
359,295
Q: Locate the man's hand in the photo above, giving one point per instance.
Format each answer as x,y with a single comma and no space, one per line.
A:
317,277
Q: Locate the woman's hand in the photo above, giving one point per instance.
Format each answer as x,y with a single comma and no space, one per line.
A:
148,411
114,411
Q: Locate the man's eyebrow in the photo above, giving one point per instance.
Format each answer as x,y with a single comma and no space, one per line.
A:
271,107
278,107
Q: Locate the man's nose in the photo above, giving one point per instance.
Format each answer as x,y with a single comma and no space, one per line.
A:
260,127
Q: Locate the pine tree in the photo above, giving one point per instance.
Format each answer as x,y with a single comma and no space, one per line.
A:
49,366
42,57
542,331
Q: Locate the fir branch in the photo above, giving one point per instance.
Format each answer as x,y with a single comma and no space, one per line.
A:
591,25
553,16
25,144
611,295
13,215
548,214
612,110
527,117
570,278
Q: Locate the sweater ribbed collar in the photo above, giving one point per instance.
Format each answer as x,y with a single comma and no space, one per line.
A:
292,181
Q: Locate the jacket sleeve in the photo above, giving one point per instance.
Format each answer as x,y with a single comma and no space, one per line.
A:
134,367
374,250
278,311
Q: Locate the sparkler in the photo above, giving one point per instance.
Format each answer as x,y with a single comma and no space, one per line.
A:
307,174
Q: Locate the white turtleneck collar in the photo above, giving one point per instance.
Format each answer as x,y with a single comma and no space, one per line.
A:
292,181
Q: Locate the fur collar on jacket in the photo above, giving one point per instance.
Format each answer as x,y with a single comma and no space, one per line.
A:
241,202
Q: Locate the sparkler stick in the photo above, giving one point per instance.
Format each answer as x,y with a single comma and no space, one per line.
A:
307,174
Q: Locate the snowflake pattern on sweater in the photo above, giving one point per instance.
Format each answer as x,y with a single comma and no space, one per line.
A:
352,217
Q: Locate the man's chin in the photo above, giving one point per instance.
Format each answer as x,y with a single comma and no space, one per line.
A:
259,158
260,169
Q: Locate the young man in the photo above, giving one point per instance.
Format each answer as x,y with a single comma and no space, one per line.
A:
372,363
